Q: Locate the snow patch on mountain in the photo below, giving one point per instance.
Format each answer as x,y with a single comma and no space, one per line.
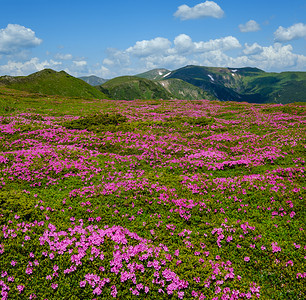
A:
211,78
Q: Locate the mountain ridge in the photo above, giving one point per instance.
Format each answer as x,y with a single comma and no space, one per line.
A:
245,84
191,82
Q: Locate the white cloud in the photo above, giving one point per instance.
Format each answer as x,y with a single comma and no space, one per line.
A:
276,57
16,38
249,26
80,63
183,43
108,62
103,72
116,57
201,10
162,53
61,56
24,68
149,47
252,49
293,32
222,44
171,61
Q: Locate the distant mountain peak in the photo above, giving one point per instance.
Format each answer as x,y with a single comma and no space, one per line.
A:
93,80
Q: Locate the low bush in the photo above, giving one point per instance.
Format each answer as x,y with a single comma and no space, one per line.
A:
13,203
96,122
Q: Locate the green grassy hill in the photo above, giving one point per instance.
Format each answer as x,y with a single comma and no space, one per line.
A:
132,87
50,82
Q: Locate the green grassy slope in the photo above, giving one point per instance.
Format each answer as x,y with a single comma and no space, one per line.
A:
131,87
246,84
282,87
51,82
183,90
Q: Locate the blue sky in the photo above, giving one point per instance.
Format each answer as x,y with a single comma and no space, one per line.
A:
120,37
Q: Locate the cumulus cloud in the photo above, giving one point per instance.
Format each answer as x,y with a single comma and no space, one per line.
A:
116,57
183,44
222,44
162,53
149,47
252,49
249,26
103,72
24,68
16,38
80,63
275,57
61,56
293,32
201,10
171,61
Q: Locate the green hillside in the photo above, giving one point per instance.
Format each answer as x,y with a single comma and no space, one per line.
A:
282,87
50,82
183,90
132,87
246,84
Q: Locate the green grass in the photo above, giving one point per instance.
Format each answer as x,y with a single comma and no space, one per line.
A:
132,87
72,146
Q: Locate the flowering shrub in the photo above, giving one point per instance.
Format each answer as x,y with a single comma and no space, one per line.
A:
155,200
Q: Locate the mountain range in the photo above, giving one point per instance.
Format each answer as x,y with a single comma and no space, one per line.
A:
245,84
190,82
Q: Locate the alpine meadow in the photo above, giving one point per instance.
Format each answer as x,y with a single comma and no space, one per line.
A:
152,150
151,198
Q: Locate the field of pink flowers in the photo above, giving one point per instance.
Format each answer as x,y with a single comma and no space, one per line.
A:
162,200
